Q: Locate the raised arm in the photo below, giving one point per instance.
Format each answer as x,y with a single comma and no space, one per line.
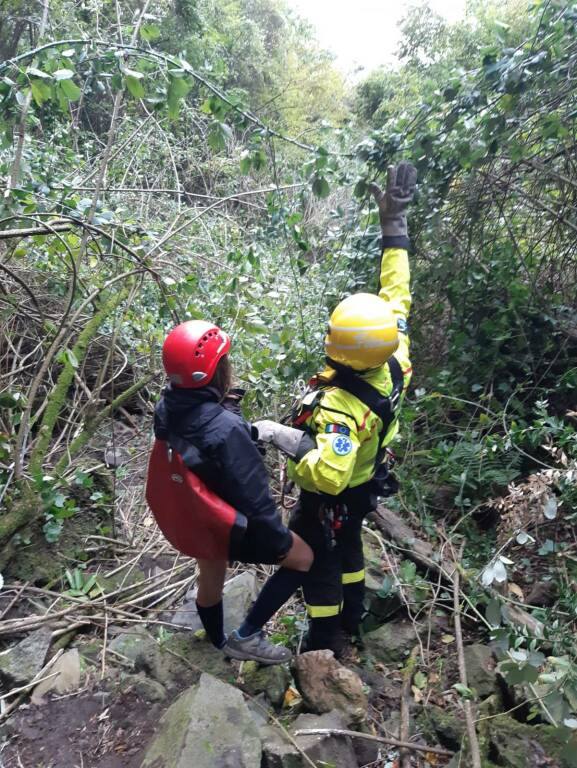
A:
394,284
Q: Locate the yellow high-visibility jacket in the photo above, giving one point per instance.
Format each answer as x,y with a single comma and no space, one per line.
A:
328,468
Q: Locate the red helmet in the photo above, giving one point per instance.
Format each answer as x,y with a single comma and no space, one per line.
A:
191,353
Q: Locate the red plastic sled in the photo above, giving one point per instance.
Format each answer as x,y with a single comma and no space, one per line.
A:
195,520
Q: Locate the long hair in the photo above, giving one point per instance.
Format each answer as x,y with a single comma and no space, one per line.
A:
222,379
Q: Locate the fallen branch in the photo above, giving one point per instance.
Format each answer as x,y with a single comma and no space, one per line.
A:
418,550
370,737
423,554
472,734
405,725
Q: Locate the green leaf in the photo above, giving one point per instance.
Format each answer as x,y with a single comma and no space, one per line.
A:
149,32
8,400
258,159
245,162
218,135
360,189
464,692
69,90
52,530
67,357
569,753
407,572
133,83
40,92
515,673
178,87
33,72
493,613
321,187
63,74
420,680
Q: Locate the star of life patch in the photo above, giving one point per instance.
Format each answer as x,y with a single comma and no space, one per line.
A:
342,445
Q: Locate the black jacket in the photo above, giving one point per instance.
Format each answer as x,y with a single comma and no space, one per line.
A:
215,444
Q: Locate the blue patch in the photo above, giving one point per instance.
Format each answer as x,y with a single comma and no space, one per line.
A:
342,445
402,325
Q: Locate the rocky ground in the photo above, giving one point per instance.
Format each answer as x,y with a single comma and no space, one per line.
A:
109,668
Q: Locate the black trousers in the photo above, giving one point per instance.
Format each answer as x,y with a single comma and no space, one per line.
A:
334,588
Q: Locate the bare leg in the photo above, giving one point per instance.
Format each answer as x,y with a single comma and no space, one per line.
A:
300,555
210,582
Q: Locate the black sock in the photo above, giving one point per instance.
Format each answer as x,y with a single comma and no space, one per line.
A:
212,618
281,585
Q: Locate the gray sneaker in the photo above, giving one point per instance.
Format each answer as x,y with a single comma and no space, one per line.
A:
255,648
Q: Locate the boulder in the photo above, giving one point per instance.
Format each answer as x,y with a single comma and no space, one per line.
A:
381,598
146,688
272,681
129,645
517,745
21,663
326,685
208,726
179,659
336,751
391,643
442,725
481,672
239,592
66,680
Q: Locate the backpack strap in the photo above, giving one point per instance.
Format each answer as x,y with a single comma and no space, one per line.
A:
384,406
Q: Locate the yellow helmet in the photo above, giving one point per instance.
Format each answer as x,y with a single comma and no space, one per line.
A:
362,332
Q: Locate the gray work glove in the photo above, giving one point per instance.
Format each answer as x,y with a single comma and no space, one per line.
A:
293,442
394,201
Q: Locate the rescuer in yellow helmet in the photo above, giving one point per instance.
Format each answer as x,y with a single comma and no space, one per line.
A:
340,430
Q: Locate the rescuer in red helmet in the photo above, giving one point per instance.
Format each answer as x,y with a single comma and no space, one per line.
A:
199,417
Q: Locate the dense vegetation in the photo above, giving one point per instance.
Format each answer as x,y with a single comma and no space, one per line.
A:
203,158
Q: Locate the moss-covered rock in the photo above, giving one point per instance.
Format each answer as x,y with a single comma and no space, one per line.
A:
272,681
481,672
442,725
517,745
209,725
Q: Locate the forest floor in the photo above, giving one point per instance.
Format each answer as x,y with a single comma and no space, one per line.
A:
124,615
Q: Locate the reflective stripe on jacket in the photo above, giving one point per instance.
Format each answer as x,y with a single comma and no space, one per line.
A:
346,458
